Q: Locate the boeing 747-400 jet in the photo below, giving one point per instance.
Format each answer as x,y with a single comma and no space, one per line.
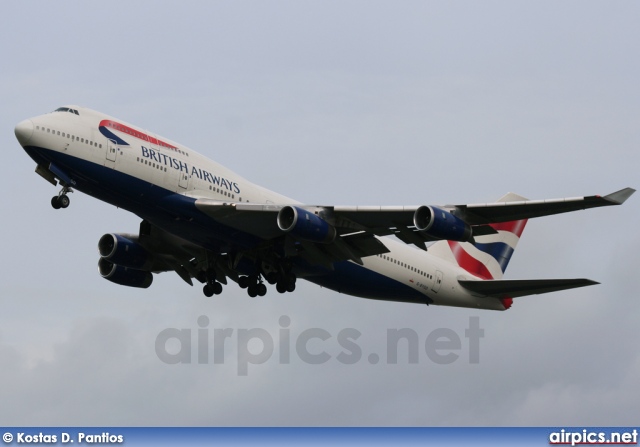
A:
205,222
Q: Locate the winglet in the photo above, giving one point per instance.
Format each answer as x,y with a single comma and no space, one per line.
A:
619,197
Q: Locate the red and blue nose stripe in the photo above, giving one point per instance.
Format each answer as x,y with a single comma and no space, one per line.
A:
107,128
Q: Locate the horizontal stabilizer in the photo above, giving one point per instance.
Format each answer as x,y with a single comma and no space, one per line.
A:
513,288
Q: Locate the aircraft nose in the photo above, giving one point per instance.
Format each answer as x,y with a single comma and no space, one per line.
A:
23,131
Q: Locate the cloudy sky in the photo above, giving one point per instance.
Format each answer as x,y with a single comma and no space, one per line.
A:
351,103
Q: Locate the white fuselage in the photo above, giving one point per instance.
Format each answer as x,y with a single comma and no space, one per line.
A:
156,163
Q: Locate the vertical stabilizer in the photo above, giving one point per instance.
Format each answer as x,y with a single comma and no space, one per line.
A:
489,256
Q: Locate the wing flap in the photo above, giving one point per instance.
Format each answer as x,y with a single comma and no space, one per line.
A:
514,288
254,218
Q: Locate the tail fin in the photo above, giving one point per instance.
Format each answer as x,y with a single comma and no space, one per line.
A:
489,256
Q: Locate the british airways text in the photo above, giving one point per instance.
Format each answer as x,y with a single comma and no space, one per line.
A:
179,165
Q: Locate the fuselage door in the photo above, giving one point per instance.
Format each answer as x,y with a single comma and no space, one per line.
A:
183,181
437,281
112,151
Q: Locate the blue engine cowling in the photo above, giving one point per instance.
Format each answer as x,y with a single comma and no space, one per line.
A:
441,224
122,251
305,225
124,276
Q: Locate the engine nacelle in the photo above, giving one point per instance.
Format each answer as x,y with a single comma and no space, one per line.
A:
122,251
441,224
124,276
305,225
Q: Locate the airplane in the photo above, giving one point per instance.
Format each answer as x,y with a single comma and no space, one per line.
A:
206,223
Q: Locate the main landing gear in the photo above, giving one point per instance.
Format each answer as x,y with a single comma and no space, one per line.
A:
255,286
211,287
284,280
61,200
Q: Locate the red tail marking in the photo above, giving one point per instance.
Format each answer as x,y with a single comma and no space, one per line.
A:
469,263
507,302
515,226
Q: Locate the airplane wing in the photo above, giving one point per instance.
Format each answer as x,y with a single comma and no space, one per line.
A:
366,221
349,234
514,288
484,213
262,220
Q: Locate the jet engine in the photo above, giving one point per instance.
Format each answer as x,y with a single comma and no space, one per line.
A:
305,225
124,276
441,224
123,251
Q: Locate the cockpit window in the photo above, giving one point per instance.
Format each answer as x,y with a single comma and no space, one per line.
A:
66,109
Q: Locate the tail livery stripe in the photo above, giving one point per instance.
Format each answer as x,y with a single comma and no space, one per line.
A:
468,262
515,226
500,251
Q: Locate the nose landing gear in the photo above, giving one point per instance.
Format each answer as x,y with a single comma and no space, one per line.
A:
61,200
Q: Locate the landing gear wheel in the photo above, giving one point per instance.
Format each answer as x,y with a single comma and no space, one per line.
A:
217,288
55,203
208,291
289,282
64,201
281,288
243,282
261,289
252,290
272,277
